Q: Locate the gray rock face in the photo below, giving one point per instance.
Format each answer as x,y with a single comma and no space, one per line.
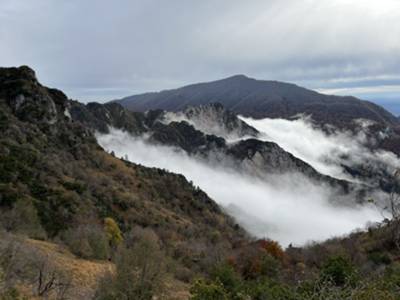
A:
101,116
29,100
214,119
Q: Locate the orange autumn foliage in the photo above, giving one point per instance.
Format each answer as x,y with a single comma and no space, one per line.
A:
273,248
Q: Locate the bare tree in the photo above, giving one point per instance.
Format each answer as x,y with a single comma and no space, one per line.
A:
47,279
393,208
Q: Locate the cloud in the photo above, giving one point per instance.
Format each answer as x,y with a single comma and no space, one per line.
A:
326,153
363,90
289,208
137,46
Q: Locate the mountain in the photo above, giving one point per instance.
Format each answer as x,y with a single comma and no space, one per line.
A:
262,99
78,223
42,147
58,184
205,132
214,118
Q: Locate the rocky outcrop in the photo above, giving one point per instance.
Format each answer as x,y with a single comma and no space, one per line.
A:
101,116
184,136
29,100
213,119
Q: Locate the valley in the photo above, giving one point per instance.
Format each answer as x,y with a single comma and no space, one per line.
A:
201,190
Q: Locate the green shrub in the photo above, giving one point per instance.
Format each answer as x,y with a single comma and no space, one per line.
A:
208,290
75,186
230,280
380,258
391,277
271,290
269,266
339,270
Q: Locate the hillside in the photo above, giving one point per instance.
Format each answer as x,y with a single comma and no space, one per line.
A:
80,276
78,223
261,99
205,133
42,149
57,183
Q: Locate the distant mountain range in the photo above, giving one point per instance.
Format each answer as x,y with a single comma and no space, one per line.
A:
262,99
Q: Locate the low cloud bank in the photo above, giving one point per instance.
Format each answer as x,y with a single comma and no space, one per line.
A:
326,153
288,208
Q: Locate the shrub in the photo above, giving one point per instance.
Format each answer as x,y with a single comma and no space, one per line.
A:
372,293
87,241
267,289
113,232
139,271
75,186
208,290
379,258
183,274
273,248
339,270
227,276
391,277
269,266
23,219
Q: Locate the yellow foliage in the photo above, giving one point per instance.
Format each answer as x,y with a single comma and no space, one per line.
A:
113,232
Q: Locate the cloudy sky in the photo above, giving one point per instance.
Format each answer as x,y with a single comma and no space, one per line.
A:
100,50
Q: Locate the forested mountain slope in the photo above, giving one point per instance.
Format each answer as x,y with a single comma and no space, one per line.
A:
262,99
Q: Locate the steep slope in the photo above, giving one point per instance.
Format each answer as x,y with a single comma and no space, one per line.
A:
260,99
213,119
55,164
51,161
204,132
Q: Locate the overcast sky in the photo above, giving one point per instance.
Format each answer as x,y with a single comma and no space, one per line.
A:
100,50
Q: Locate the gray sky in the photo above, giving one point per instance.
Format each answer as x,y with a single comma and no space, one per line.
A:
100,50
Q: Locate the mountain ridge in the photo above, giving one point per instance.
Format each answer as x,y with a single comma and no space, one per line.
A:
263,98
53,165
249,156
57,184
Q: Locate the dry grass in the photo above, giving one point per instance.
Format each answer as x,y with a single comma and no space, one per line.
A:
84,273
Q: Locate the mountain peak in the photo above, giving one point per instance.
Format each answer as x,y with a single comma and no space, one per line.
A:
263,99
13,73
28,99
17,80
238,77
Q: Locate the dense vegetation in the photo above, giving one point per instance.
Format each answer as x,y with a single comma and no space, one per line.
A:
150,229
56,183
364,266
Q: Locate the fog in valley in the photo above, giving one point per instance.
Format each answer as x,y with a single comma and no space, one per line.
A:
288,208
326,153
